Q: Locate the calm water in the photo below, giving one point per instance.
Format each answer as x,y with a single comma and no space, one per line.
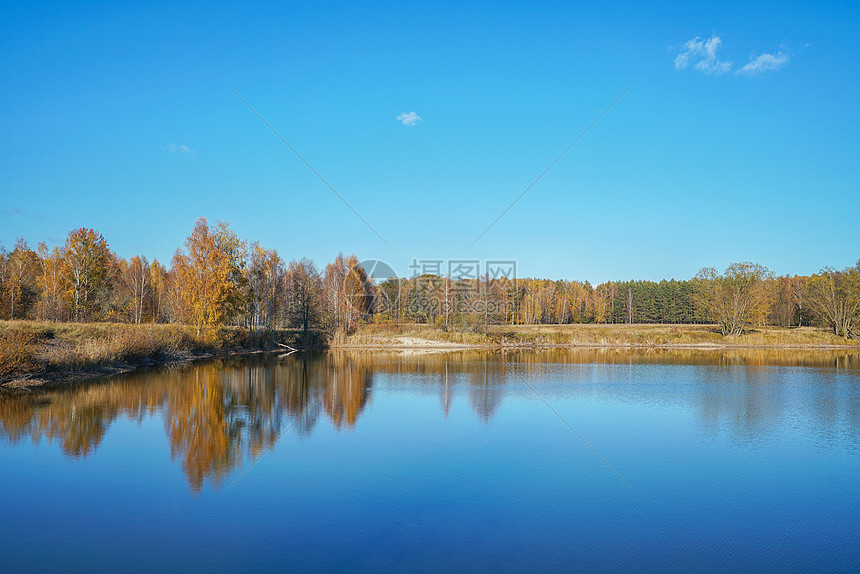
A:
735,461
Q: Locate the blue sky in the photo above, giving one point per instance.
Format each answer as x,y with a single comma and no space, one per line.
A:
747,148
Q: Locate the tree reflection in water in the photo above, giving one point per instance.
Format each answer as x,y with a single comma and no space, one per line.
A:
221,414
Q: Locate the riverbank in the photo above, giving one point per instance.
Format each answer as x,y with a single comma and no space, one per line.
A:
36,354
45,354
413,336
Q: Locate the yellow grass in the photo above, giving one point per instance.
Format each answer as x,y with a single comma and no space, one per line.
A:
600,335
38,348
28,347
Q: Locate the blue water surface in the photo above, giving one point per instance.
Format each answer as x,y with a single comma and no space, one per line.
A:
534,461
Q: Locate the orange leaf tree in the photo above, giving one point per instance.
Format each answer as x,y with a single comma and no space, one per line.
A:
208,276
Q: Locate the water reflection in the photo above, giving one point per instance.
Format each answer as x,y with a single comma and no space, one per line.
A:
215,414
487,387
221,414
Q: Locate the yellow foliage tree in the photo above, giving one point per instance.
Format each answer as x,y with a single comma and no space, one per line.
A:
738,297
86,271
50,283
835,297
22,263
208,275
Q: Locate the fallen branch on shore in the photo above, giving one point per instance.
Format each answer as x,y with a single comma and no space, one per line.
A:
292,349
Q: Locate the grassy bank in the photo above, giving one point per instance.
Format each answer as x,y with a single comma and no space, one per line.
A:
34,353
597,336
38,353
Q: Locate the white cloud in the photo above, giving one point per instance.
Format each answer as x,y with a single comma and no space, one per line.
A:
765,63
173,148
704,54
409,119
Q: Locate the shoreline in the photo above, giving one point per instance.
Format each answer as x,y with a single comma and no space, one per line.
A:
53,355
530,346
439,346
46,381
52,380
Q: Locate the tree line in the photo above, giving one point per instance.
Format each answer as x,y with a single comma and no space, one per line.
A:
218,278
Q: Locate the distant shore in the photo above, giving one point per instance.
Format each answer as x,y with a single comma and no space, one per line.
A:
41,355
592,336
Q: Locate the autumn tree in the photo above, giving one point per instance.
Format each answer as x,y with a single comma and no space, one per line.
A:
207,276
136,281
304,292
448,296
497,289
177,310
531,307
264,276
348,293
513,294
835,298
564,294
86,271
49,281
20,288
736,298
388,304
157,300
787,303
603,297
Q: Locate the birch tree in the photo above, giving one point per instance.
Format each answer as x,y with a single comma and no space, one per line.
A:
265,279
86,271
159,282
304,294
50,283
208,277
137,282
21,264
348,293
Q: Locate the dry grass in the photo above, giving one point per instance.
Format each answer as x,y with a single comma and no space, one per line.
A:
599,335
34,348
28,347
17,352
669,335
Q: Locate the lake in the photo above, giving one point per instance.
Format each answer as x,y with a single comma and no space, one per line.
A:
594,460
